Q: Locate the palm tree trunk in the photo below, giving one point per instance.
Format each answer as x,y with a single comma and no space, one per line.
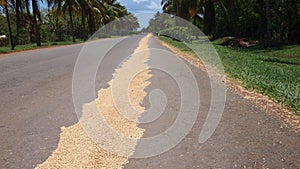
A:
9,28
83,25
18,5
268,17
71,21
262,20
178,10
30,31
234,19
292,17
36,27
91,24
209,18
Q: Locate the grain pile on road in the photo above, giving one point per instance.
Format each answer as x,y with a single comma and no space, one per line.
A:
77,150
135,89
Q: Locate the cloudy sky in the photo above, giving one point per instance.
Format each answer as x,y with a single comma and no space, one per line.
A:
143,9
142,6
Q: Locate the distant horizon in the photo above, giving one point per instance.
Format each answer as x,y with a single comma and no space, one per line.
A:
144,10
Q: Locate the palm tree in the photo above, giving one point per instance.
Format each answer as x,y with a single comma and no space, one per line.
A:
36,16
71,5
201,10
234,19
190,9
27,19
4,4
92,9
209,17
17,8
268,17
97,14
180,8
63,6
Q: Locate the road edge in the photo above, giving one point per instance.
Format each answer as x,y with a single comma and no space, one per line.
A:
264,102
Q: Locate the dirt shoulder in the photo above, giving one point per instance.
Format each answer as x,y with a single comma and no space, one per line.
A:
289,116
38,48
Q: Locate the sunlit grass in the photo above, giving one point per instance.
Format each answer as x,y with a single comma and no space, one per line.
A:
273,72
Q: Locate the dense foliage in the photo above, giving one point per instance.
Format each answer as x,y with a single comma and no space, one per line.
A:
58,20
266,20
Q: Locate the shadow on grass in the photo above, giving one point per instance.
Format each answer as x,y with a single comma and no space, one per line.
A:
275,60
260,49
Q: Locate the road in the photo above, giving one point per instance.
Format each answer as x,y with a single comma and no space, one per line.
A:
36,101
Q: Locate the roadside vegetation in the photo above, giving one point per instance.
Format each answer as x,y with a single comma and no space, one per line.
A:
262,48
274,72
257,41
7,49
55,22
268,21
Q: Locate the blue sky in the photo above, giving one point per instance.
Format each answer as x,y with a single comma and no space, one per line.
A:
142,6
143,9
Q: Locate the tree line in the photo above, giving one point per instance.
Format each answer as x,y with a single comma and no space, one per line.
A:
266,20
37,21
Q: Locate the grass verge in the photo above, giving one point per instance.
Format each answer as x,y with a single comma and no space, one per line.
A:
273,72
7,49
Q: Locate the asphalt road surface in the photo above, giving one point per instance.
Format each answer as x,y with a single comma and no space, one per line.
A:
36,101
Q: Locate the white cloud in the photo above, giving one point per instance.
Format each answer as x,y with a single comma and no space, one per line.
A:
139,1
153,5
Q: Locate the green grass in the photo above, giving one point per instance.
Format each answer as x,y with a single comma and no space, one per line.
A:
179,45
273,72
7,49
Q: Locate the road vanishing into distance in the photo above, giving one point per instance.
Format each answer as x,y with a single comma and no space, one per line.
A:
36,103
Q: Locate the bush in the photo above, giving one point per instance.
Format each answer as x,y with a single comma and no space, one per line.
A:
295,33
4,41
